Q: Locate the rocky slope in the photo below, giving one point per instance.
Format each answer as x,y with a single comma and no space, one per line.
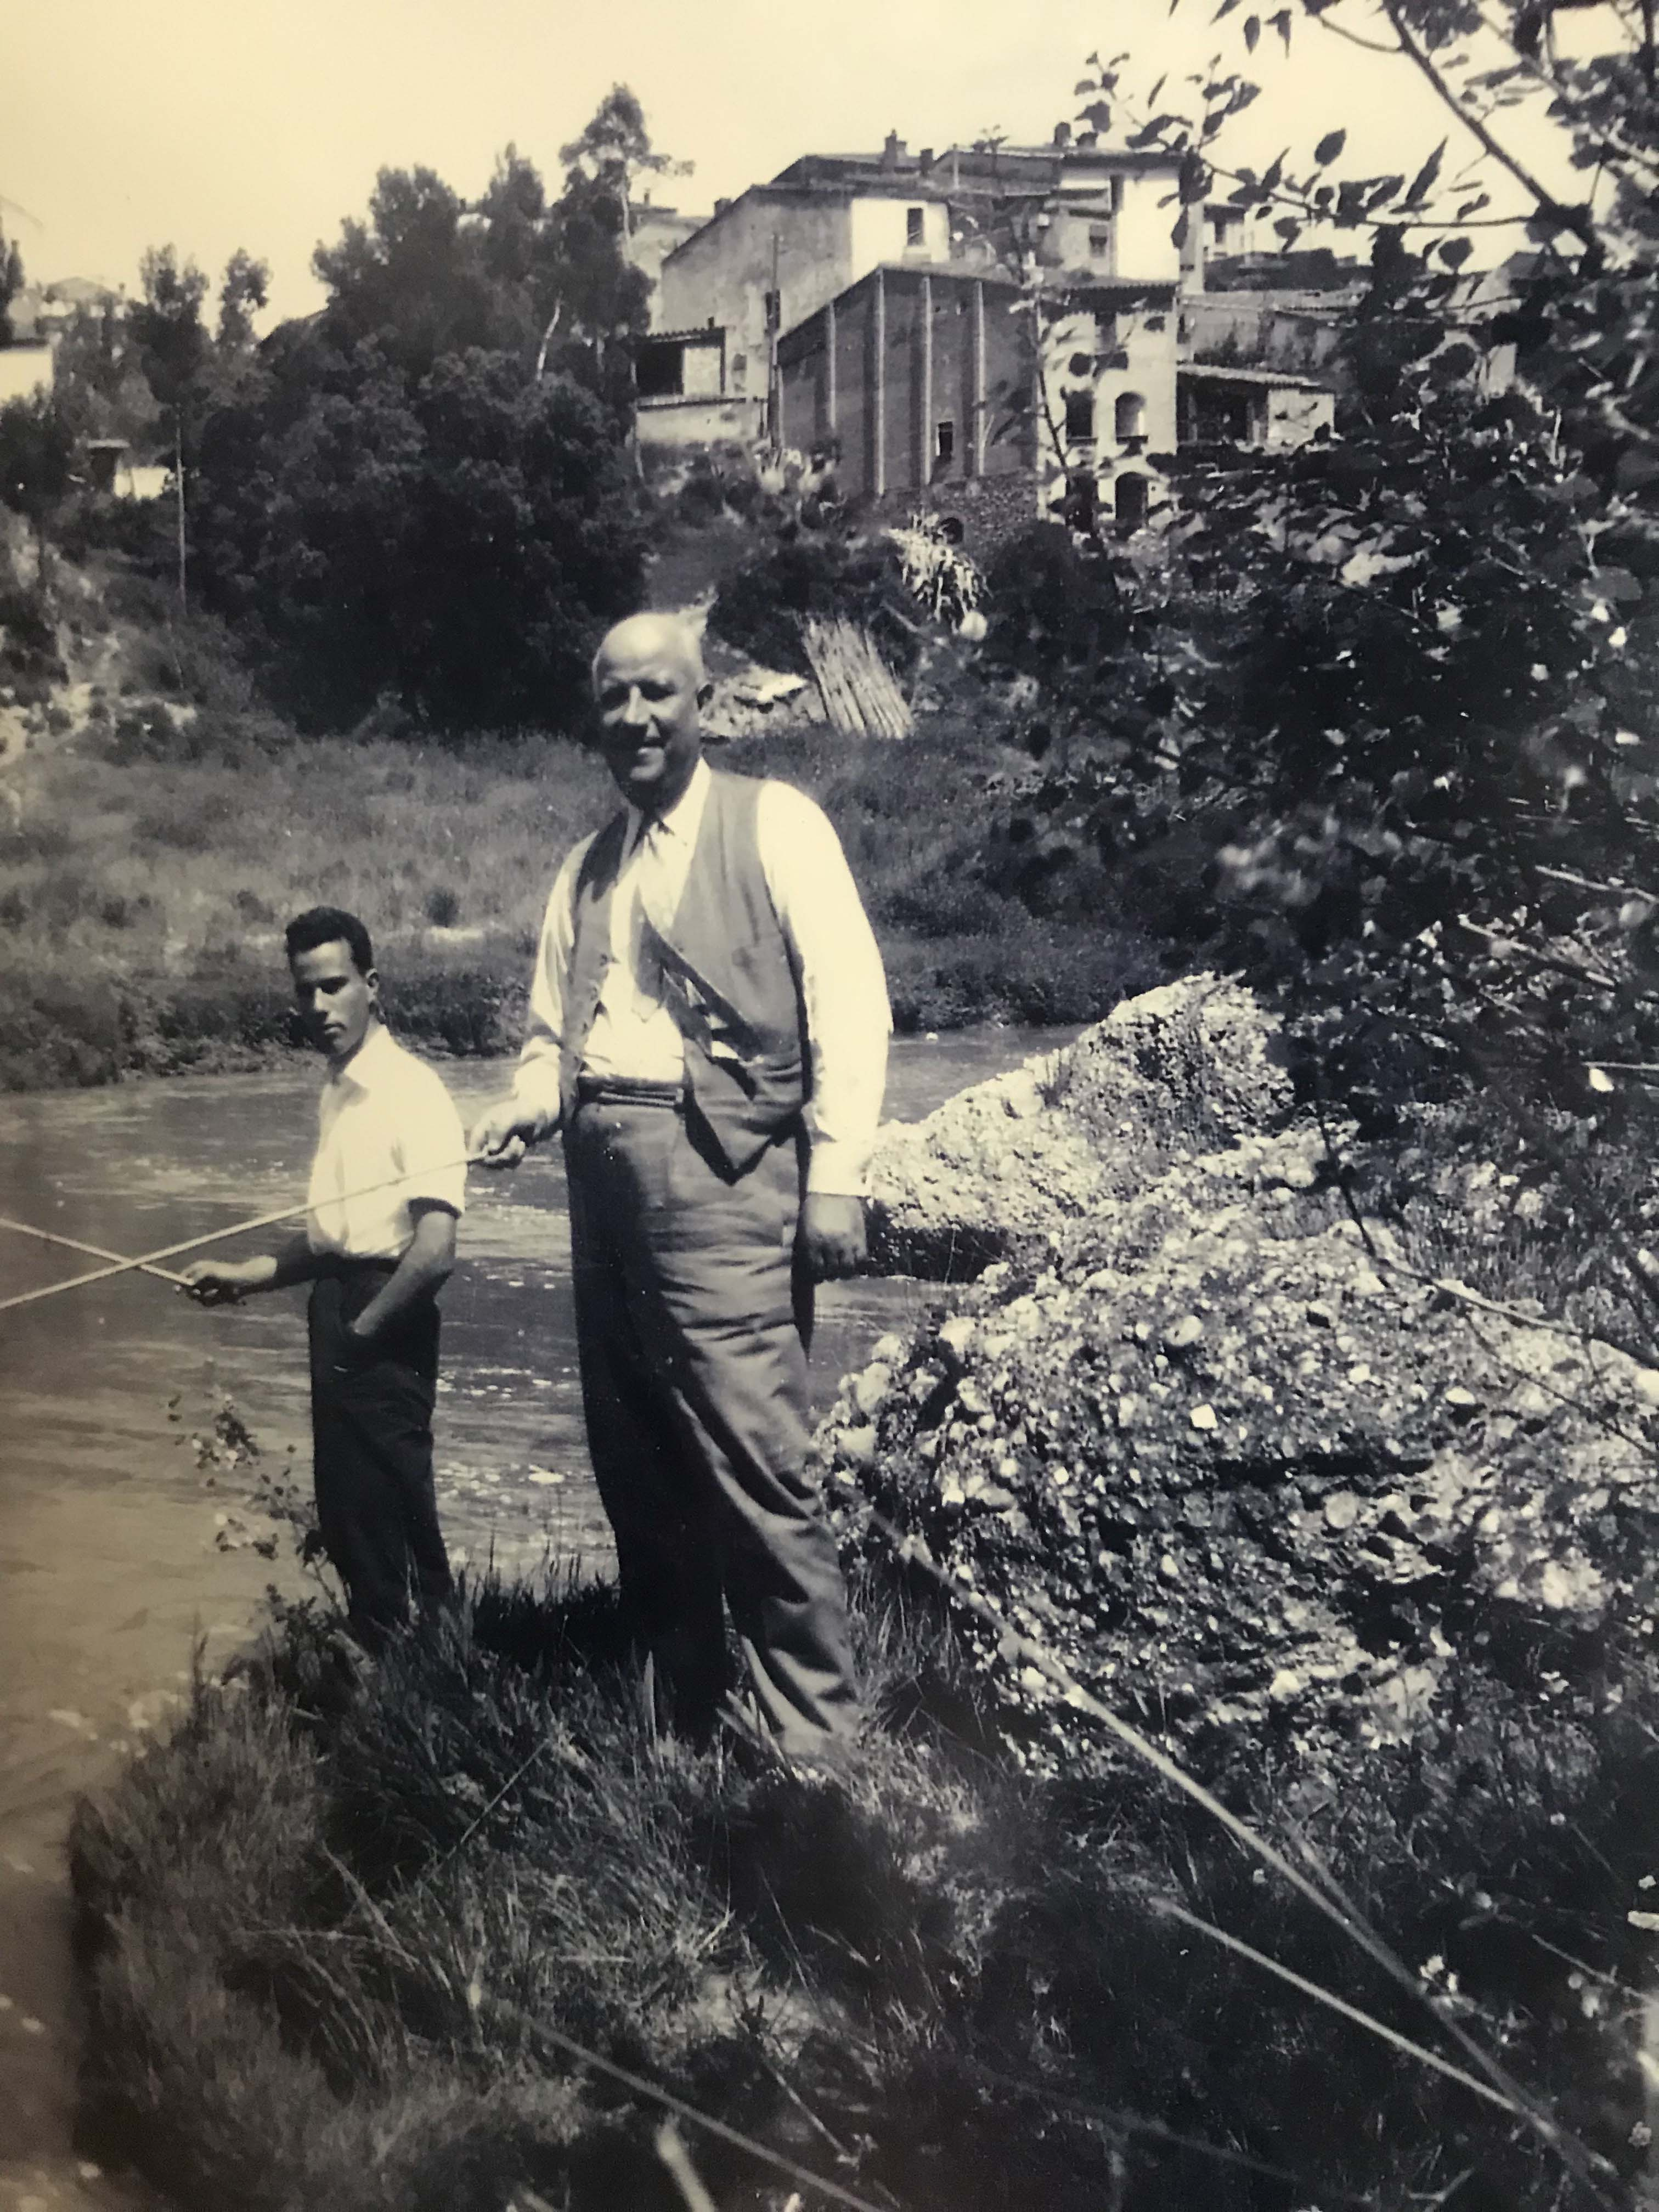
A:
1001,1169
1245,1473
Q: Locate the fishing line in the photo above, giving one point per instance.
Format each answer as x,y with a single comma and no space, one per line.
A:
92,1251
150,1261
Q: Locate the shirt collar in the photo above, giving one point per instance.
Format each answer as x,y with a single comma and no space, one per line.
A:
371,1061
683,818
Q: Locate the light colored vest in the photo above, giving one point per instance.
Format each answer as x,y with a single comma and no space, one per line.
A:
730,985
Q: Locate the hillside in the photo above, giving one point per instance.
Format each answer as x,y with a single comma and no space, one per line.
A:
158,822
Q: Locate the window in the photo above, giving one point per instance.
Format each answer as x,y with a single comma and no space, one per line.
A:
658,370
944,441
1129,499
1129,417
1100,245
914,218
1079,416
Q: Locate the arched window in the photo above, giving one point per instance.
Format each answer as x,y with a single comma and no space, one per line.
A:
1129,500
1129,417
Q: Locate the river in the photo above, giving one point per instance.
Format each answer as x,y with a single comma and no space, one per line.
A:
127,1535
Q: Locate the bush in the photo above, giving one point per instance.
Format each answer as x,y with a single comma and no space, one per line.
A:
759,609
334,1927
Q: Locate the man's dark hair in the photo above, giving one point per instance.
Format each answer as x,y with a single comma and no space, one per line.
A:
329,925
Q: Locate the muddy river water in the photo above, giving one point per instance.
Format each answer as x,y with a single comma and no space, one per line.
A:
125,1537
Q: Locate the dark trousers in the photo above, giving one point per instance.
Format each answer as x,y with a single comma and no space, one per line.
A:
370,1427
692,1321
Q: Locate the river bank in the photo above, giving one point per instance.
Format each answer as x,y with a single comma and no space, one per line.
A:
131,1518
1369,1554
151,847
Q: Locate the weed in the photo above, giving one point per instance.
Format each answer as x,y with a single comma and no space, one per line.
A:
335,1929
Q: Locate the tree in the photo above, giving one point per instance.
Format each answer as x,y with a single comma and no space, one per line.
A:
615,151
455,542
411,279
37,450
1394,692
244,289
11,283
173,347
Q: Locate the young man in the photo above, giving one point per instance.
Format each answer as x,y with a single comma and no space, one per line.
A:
709,1028
387,1187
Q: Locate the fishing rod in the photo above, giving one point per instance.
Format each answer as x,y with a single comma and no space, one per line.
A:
151,1262
92,1251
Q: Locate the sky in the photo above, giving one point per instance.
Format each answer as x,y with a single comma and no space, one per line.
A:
261,124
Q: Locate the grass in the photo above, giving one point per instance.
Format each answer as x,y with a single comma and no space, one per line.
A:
336,1929
154,851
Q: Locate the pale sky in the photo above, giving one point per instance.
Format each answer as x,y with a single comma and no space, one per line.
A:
215,123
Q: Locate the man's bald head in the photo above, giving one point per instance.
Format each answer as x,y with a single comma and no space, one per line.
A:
648,689
654,637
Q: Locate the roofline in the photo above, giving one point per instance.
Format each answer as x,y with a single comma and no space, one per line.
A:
874,188
956,273
1236,373
704,331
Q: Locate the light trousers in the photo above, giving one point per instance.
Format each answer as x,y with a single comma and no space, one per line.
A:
693,1316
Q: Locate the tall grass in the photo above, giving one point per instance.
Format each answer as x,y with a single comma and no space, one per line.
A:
337,1930
154,855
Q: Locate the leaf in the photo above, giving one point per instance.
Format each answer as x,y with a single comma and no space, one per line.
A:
1455,252
1281,23
1084,84
1252,33
1099,116
1425,178
1276,170
1329,146
1225,9
1152,97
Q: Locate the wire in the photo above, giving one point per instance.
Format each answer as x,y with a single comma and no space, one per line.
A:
149,1262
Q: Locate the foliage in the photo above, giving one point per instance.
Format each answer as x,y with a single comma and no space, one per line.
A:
166,329
455,539
1386,700
98,382
827,573
11,283
937,573
37,449
419,497
338,1930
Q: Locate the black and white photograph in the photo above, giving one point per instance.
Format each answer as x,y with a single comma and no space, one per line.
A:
829,1091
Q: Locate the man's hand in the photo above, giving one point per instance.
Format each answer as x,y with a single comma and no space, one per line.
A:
832,1233
222,1282
505,1134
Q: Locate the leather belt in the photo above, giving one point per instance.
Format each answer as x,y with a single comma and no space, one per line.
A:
627,1090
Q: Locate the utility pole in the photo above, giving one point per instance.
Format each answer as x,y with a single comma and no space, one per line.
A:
178,494
774,319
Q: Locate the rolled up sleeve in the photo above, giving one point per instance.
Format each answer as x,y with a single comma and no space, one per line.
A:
536,1084
842,983
432,1146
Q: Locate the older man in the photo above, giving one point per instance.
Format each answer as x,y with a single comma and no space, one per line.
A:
709,1028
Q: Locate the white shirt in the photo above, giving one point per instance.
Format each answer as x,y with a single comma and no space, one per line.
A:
383,1114
830,944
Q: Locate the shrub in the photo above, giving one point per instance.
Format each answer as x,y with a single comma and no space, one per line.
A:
334,1929
761,607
